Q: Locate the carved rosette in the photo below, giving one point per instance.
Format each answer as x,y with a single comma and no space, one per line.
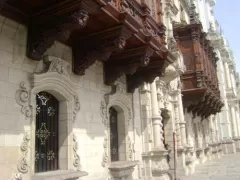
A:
105,153
76,107
23,165
76,160
22,98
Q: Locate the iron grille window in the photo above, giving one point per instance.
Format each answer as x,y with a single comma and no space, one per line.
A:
46,134
113,134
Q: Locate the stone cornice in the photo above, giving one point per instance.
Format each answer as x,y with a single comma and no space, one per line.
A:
171,7
211,2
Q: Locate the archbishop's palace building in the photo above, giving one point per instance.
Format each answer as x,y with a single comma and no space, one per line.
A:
114,89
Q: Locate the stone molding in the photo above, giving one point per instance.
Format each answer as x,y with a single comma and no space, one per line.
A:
22,98
105,153
76,161
157,161
52,75
23,164
117,97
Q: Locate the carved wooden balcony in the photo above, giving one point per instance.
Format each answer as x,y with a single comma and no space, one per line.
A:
127,35
201,93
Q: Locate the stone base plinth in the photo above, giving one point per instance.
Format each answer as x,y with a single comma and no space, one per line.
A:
208,154
181,162
228,146
237,143
214,149
190,160
157,165
122,170
200,155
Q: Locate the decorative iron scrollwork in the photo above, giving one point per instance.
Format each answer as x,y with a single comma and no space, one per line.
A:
43,133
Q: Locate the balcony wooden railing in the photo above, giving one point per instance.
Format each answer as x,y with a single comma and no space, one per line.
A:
200,83
147,13
128,36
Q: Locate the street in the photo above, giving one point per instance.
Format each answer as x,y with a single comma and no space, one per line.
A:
225,168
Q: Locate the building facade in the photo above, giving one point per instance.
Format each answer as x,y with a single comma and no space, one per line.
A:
113,89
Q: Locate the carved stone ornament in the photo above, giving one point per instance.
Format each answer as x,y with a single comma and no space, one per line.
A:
76,160
23,165
159,166
130,148
172,44
54,64
18,176
105,154
103,112
76,107
169,73
22,98
118,96
55,73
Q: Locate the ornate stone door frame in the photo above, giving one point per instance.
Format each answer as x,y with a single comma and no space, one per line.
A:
119,100
53,77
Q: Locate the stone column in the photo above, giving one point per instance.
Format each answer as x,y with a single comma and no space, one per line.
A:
182,121
238,120
227,75
177,127
233,117
237,141
156,119
212,129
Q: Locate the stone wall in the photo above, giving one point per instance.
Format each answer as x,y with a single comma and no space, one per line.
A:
87,134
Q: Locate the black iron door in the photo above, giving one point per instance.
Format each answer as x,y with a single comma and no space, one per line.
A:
113,134
46,134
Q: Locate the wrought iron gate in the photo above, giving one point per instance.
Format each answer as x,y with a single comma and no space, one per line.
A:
113,134
46,134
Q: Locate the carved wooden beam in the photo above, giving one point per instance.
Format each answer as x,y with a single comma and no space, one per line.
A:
42,36
140,77
98,46
127,61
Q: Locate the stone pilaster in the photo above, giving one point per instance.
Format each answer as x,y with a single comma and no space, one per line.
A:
227,75
156,160
233,118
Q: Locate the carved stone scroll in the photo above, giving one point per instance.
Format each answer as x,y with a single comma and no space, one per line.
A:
76,160
23,164
105,152
22,98
76,107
